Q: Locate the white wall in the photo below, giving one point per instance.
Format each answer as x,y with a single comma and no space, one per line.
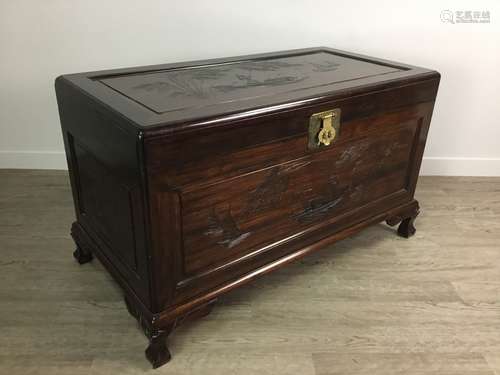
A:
42,39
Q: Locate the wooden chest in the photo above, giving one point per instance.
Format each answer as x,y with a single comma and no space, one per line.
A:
193,178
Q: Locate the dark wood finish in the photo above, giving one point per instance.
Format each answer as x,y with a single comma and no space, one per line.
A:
406,228
157,352
82,256
405,220
191,179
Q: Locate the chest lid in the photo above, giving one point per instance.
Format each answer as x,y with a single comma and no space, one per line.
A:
181,93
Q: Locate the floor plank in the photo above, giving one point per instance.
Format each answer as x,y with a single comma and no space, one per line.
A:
373,303
406,363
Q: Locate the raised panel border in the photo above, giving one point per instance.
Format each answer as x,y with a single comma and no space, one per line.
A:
89,223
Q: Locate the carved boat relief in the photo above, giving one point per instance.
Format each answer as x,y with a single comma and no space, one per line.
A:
222,225
231,218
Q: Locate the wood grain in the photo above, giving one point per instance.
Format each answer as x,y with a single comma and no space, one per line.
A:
192,179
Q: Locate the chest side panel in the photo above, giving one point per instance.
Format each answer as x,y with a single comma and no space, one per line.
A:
107,191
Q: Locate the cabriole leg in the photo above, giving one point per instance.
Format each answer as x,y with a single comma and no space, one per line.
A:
82,256
406,229
406,220
157,352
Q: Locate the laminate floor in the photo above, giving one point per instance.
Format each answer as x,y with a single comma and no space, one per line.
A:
371,304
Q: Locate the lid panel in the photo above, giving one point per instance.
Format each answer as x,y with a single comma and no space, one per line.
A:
199,86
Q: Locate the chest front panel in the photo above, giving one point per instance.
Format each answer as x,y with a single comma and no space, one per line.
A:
236,203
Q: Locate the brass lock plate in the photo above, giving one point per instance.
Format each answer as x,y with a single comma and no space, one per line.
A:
324,128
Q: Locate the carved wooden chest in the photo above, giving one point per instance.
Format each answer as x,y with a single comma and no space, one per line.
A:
193,178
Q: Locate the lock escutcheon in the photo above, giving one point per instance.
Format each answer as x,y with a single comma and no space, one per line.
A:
324,128
327,133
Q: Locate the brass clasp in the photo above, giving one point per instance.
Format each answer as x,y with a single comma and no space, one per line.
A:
323,128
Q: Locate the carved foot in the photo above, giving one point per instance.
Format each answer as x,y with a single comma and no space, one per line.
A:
157,352
405,219
82,256
406,229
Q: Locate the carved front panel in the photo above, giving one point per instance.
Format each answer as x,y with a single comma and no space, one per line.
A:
225,220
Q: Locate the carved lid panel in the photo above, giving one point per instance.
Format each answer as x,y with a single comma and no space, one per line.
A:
215,84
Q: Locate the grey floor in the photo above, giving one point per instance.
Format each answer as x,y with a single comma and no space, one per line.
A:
371,304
